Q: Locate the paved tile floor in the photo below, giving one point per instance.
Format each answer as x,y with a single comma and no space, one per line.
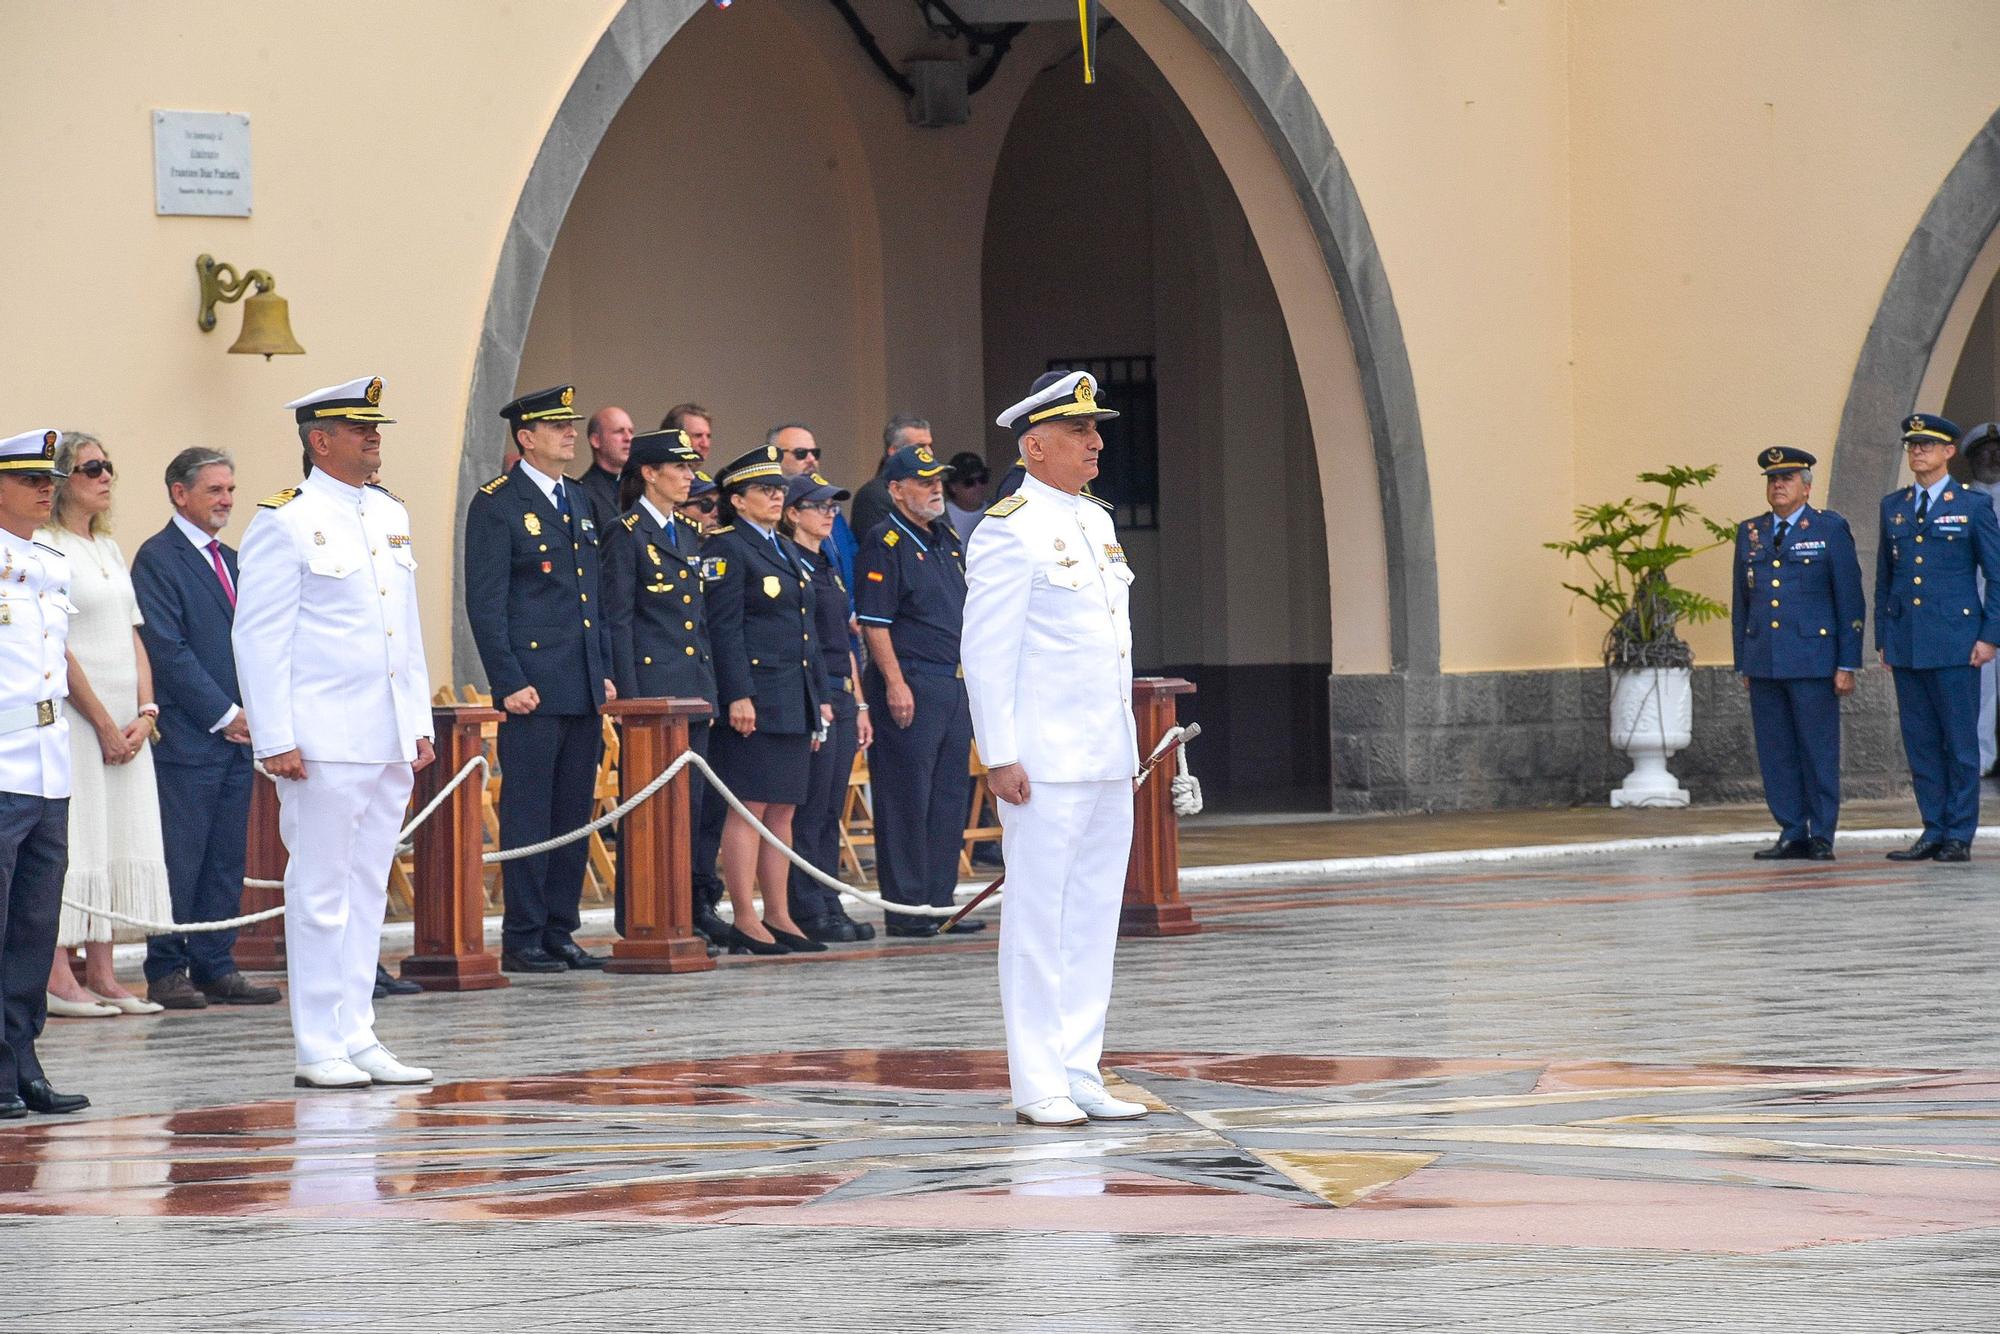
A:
1665,1092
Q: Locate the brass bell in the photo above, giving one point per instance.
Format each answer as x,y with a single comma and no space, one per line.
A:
267,321
267,327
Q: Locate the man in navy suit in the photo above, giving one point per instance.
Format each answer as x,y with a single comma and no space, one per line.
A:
1933,628
1797,617
533,597
185,579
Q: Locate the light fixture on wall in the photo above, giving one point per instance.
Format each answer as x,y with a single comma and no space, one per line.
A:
267,321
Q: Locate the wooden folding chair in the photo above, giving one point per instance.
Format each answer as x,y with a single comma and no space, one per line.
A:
983,822
857,820
602,867
489,799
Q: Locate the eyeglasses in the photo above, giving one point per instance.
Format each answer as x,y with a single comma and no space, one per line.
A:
95,468
802,452
815,507
1915,445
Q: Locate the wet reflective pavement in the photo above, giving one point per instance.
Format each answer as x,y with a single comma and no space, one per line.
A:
1675,1091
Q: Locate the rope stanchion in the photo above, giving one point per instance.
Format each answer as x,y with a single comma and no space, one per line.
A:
1187,801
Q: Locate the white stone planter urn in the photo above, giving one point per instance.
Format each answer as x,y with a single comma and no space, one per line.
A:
1652,717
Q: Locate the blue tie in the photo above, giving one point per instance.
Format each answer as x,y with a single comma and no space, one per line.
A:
1923,505
562,502
1778,538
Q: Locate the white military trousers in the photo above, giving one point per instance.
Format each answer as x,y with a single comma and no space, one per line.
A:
1066,850
339,824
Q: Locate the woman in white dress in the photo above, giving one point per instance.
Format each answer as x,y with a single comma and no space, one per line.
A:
116,859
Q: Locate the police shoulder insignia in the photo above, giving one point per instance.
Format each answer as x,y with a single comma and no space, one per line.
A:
1007,506
630,521
891,538
496,483
726,528
377,486
284,497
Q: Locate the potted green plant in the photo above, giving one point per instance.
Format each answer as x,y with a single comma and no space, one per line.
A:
1628,547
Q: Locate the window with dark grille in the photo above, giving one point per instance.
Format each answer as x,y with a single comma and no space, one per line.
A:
1129,470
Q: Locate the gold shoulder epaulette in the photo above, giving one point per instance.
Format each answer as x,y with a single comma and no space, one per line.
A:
1098,500
284,497
726,528
377,486
496,483
630,521
1005,507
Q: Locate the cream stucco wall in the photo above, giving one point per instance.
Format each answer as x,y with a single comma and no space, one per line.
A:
1616,234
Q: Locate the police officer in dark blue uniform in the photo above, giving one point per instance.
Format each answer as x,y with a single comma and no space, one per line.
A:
772,683
910,600
811,506
532,598
653,598
1797,617
1935,633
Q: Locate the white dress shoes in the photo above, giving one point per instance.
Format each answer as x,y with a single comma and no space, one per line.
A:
1051,1112
381,1065
69,1009
1098,1105
337,1073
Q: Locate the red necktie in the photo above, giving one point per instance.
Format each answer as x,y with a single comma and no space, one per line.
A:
222,571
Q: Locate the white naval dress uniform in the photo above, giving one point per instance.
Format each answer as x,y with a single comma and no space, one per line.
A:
330,657
1047,648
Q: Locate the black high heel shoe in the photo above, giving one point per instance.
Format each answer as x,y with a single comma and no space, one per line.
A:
796,944
739,943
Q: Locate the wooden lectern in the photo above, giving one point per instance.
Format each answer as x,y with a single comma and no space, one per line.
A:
1153,904
449,953
655,841
261,947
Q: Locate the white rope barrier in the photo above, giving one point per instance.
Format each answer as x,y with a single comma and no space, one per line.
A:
611,817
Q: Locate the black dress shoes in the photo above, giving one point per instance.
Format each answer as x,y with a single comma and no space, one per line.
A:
1784,850
1952,850
11,1108
388,984
573,955
739,943
1818,850
1920,851
39,1097
862,930
710,927
966,927
921,931
830,931
530,961
797,944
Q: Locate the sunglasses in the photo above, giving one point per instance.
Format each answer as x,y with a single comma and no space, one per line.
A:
802,453
706,505
95,468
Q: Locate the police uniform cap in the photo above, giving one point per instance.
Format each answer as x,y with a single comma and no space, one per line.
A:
1780,459
967,466
703,484
912,461
752,466
652,448
810,486
544,405
1056,394
1929,426
31,453
356,401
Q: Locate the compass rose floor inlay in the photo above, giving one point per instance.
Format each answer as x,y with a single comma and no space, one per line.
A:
1569,1153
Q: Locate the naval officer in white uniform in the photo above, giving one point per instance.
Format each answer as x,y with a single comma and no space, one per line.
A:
34,766
1047,649
330,657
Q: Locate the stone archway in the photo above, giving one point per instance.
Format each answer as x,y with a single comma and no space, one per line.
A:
1291,128
1942,273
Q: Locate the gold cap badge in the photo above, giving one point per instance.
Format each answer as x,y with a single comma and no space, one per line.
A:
568,395
375,391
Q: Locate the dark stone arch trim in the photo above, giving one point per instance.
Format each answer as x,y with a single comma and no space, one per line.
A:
1897,352
1292,126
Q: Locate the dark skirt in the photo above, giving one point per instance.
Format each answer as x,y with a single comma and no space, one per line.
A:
764,766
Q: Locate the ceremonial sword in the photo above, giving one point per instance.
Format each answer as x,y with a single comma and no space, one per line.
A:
1171,742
